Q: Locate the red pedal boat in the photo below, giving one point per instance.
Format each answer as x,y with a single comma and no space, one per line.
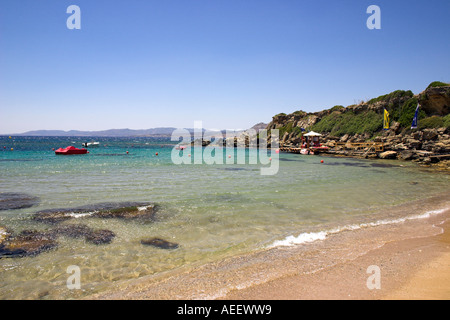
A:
71,150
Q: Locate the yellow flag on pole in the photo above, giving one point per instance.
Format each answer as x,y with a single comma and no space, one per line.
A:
386,120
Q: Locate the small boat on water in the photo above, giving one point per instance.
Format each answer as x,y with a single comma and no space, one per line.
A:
90,144
306,151
70,150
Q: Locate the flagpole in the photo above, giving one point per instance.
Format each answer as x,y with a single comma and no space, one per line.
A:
386,120
416,117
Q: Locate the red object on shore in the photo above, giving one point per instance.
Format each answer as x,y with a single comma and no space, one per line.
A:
71,150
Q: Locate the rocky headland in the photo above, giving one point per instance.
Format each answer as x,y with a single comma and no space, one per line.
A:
349,131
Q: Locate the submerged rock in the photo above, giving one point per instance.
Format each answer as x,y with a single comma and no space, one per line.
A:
100,236
51,217
137,211
123,210
32,243
348,164
384,165
77,231
13,200
72,231
82,231
290,160
159,243
27,243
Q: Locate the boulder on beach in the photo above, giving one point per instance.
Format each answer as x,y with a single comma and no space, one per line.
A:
159,243
407,155
388,155
27,243
16,200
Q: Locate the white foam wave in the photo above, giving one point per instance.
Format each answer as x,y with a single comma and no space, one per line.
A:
144,208
322,235
302,238
80,215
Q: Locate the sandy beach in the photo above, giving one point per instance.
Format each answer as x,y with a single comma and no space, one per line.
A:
412,269
413,257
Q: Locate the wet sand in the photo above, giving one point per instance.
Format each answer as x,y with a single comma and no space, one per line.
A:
413,258
411,269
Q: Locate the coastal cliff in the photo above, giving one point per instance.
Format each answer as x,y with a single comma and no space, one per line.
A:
363,122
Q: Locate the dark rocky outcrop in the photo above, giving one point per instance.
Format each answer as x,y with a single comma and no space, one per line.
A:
72,231
121,210
15,200
436,101
100,236
27,243
159,243
51,216
76,231
128,211
32,243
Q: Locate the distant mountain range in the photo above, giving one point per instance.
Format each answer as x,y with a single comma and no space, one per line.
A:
153,132
166,131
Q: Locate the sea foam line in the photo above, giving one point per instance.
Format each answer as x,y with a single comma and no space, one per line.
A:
144,207
80,215
322,235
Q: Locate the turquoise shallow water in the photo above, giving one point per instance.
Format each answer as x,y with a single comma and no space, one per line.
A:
211,211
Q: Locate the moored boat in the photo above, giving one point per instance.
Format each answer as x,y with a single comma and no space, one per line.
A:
70,150
90,144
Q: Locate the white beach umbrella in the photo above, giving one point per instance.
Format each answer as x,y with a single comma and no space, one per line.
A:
312,134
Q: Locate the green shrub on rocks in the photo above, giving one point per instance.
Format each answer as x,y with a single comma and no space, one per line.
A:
338,124
435,84
337,108
367,118
407,113
392,96
431,122
446,121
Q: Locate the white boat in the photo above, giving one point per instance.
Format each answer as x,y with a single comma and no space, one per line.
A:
90,144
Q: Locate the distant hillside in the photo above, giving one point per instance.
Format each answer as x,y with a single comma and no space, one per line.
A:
259,126
165,131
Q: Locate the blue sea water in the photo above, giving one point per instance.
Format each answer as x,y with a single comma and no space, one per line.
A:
211,211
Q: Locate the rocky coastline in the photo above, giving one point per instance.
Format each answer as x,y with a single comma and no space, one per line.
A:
352,131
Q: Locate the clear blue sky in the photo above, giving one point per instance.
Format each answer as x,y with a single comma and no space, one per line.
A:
229,63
